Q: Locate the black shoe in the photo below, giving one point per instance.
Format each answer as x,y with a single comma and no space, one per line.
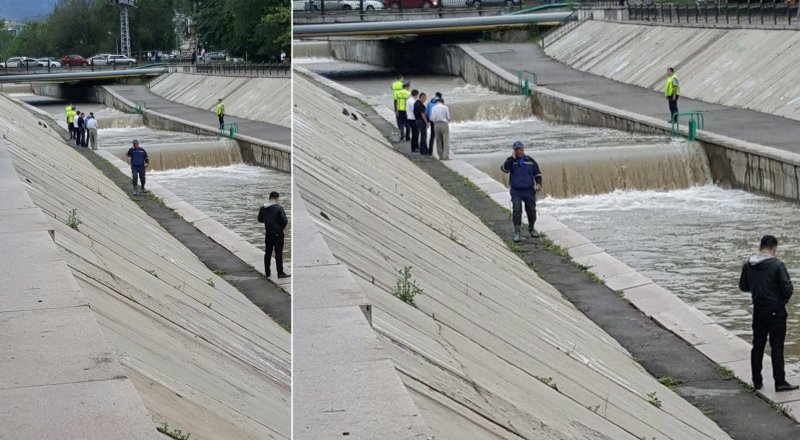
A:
269,274
758,385
283,275
786,387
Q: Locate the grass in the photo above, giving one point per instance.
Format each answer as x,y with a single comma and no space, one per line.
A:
514,247
726,372
155,198
406,288
210,282
653,399
220,272
551,246
73,221
669,382
706,410
547,381
152,272
177,434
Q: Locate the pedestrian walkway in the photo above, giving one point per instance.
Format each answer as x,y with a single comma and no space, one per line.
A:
746,125
257,129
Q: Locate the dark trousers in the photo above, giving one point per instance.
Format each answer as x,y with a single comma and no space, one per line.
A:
432,140
530,211
405,130
273,242
422,127
412,124
71,129
80,136
768,323
137,173
401,124
673,107
221,120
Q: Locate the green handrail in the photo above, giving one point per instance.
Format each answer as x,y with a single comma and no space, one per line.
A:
695,122
231,129
524,78
140,106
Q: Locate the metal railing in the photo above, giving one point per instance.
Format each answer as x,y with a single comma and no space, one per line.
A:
524,80
31,67
345,7
242,69
229,129
140,106
717,13
695,122
559,31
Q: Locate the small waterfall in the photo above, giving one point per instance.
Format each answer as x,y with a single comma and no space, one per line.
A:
311,49
490,108
189,154
26,88
122,120
584,171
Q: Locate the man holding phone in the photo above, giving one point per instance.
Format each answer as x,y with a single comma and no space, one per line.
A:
524,180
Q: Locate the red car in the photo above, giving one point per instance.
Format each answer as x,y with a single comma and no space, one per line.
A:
74,60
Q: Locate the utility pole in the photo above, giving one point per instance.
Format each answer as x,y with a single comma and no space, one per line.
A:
124,27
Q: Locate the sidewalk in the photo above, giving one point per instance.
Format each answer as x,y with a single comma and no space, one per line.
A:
747,125
256,129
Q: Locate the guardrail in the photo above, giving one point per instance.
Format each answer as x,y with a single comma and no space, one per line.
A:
33,68
524,79
559,31
696,122
231,130
241,69
434,7
727,13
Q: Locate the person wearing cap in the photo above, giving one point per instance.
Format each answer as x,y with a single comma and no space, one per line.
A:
139,162
274,218
524,180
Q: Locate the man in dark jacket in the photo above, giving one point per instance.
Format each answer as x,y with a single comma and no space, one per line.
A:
766,278
274,218
139,162
524,180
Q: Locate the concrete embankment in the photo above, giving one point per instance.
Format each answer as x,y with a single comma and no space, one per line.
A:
202,357
489,350
258,99
754,165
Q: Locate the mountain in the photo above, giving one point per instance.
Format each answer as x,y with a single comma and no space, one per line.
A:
19,9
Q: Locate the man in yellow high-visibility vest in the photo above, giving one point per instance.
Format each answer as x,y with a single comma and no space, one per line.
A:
221,112
672,91
68,109
396,87
402,121
73,134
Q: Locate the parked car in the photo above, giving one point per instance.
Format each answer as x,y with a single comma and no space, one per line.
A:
19,62
216,55
120,60
480,3
74,60
369,5
48,62
411,4
99,59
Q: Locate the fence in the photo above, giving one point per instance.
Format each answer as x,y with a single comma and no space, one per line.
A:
31,66
559,31
725,13
349,7
242,69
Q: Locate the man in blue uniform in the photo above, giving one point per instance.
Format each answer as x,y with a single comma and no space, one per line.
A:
139,162
524,180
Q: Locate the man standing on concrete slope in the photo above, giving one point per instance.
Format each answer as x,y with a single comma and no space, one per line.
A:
139,162
91,126
68,110
71,121
422,125
402,119
81,138
440,121
672,91
221,112
396,87
412,121
766,278
274,218
524,180
435,100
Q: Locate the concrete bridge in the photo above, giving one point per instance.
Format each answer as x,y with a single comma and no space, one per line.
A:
83,75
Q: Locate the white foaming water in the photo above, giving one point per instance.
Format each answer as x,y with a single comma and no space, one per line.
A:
691,241
231,195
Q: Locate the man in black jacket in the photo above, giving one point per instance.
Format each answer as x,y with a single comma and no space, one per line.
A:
274,218
765,276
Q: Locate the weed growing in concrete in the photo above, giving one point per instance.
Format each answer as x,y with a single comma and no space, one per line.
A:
513,247
592,276
73,221
155,198
706,410
653,399
452,233
208,304
669,382
152,272
551,246
210,282
725,371
406,288
548,381
779,408
219,272
177,434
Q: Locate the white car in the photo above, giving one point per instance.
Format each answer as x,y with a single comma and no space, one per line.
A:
99,59
19,62
369,5
120,60
47,62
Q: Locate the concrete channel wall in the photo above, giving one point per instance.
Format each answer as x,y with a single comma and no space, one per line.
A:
202,357
735,163
489,350
257,99
254,151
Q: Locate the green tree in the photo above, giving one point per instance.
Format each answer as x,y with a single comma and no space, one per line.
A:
32,41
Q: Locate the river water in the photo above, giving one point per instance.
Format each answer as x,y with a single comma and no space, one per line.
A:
645,199
205,171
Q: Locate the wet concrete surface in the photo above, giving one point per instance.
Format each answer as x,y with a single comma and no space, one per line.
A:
738,411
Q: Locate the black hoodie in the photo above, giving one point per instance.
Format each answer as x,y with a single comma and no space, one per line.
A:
274,218
767,279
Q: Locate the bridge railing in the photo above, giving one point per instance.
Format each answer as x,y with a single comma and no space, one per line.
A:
770,14
559,31
243,69
433,7
30,67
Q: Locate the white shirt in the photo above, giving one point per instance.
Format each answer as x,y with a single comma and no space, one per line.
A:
75,121
92,124
410,108
440,113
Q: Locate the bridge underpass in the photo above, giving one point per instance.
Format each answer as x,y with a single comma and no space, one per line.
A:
86,76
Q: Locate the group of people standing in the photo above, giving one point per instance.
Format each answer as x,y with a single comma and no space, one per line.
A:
414,117
82,127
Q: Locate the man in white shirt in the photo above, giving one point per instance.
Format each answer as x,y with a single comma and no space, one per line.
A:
412,122
91,125
440,116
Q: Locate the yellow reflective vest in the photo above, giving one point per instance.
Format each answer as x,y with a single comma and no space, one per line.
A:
71,116
220,109
68,109
402,95
672,81
396,87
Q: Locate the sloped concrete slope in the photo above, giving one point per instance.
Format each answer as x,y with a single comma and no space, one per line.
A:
258,99
204,358
746,68
490,351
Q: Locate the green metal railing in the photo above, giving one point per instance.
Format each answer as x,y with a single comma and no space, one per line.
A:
229,129
524,80
696,122
140,106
